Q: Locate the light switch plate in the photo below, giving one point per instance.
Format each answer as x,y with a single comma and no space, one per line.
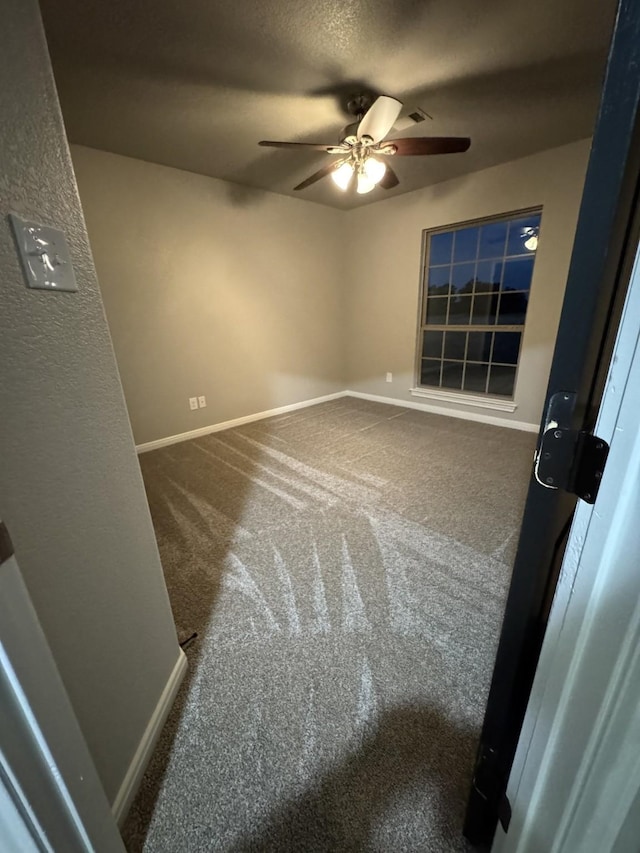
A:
44,255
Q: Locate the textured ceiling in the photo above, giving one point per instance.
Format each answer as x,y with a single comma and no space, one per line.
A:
196,83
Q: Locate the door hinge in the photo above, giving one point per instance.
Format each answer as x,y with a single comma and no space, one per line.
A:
490,787
569,459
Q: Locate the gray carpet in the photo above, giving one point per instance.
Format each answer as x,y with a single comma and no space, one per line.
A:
345,567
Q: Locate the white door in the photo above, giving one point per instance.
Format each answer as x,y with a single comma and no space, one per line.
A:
50,796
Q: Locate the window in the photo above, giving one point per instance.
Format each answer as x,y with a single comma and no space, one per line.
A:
475,293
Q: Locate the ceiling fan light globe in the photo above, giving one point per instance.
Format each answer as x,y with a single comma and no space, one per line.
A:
342,176
365,184
374,169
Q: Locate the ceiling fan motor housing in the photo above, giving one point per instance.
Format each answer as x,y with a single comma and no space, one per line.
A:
349,131
358,105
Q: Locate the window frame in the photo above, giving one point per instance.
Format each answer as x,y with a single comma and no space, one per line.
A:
476,398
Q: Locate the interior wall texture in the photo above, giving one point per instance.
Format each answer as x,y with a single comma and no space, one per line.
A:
212,289
383,273
71,491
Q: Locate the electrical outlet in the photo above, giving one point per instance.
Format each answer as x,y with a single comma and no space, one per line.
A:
389,377
193,403
202,402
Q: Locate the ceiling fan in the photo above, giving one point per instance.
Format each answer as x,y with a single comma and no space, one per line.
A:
364,140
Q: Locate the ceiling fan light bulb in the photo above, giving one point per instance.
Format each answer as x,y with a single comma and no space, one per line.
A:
342,176
365,184
374,169
531,243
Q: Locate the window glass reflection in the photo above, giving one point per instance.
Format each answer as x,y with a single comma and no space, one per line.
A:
465,244
440,248
475,298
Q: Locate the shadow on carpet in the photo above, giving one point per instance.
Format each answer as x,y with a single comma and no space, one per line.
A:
346,568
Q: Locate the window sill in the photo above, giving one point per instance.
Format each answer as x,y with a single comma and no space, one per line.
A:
465,399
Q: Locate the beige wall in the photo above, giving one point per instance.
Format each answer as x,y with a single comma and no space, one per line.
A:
211,289
383,273
257,300
71,492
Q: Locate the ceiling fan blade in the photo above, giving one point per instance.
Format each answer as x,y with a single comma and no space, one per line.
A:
317,176
429,145
379,118
316,146
389,179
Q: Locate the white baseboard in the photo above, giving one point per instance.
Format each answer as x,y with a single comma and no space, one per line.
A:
292,407
247,419
134,774
450,413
